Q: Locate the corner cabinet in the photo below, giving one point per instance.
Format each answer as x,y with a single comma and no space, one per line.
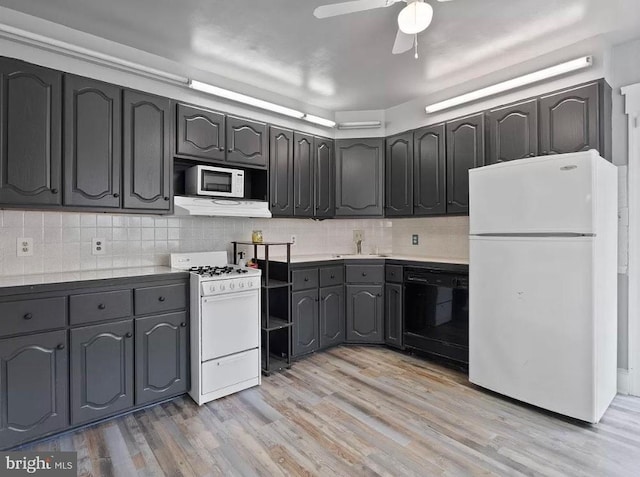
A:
512,132
92,142
399,175
365,302
147,174
200,133
247,142
429,171
359,177
465,150
30,134
281,172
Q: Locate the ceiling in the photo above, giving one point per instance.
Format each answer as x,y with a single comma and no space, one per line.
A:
340,63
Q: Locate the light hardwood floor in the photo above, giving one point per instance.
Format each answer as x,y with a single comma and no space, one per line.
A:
358,411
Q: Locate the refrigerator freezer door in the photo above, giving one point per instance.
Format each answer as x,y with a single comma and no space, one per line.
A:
541,195
531,329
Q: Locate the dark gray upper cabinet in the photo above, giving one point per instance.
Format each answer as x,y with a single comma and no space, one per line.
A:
569,120
148,174
247,142
161,356
281,172
304,313
331,311
512,132
393,314
92,142
30,134
359,177
303,182
101,370
34,387
365,314
399,175
429,171
200,133
465,150
324,173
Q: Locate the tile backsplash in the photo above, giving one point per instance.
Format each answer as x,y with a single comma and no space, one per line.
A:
439,237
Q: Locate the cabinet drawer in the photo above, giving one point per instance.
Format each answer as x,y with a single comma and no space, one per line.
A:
220,373
304,279
330,276
162,298
393,273
99,306
32,315
365,273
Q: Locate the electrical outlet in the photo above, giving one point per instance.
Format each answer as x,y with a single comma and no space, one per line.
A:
98,246
358,235
415,240
293,240
24,246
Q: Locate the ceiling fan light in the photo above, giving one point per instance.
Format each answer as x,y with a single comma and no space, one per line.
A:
415,17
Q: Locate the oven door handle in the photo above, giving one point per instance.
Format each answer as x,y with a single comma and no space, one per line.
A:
419,280
228,296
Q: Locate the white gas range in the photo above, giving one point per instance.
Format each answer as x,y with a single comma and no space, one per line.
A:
225,325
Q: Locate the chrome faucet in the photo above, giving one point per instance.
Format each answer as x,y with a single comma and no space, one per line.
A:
358,247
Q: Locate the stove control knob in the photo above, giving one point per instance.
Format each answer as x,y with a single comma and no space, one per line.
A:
212,288
241,284
221,287
232,286
250,284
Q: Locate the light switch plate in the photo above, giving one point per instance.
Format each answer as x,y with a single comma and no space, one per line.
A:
24,246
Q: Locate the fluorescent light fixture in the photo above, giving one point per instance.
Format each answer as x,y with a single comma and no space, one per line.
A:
243,98
360,125
557,70
79,52
318,120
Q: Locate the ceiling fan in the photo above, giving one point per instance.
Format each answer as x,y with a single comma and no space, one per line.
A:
415,17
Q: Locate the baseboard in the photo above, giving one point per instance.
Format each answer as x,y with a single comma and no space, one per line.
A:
623,381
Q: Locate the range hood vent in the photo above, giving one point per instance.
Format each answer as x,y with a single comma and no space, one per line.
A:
205,206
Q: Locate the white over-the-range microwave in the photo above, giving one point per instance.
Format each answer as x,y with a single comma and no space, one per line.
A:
214,181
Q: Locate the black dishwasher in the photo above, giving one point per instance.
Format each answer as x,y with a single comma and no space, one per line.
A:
436,321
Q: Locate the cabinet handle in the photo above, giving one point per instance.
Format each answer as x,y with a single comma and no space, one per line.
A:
166,198
333,276
379,294
161,298
306,279
28,316
533,154
101,306
128,335
116,195
229,150
60,346
54,191
544,153
364,274
221,149
183,324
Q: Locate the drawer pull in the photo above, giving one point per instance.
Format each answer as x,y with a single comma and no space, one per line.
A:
101,306
128,335
60,346
364,274
28,316
183,324
306,279
332,277
161,298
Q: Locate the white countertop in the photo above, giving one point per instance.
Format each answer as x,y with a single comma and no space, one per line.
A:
327,257
64,277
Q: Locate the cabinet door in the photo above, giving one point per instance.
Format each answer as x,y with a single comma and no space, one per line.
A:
30,134
569,120
393,314
513,132
332,321
247,142
365,317
324,173
304,312
359,173
147,154
34,385
161,356
92,142
281,172
101,370
429,171
399,175
465,150
200,133
303,175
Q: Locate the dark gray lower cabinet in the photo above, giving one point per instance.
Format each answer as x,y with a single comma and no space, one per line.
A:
393,312
101,370
331,316
161,356
304,312
365,314
34,383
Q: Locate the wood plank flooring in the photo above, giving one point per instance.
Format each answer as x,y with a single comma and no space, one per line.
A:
355,411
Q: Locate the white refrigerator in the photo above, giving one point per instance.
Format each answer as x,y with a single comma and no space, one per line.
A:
543,282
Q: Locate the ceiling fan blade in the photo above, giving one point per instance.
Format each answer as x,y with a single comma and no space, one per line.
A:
353,6
403,43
